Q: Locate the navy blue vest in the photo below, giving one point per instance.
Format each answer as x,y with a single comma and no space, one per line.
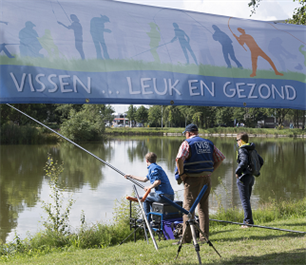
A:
201,155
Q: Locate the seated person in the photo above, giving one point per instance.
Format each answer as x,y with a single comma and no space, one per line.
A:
159,181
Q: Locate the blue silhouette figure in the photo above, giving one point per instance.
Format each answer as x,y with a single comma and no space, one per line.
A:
29,44
204,56
2,45
78,33
276,48
184,42
227,46
97,30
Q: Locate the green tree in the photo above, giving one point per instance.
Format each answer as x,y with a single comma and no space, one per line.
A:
131,114
224,116
155,115
186,111
141,114
87,124
299,13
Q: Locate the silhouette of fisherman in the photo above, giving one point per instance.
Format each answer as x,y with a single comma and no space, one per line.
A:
29,44
78,34
227,46
204,56
276,48
184,42
154,36
48,44
97,29
255,50
2,45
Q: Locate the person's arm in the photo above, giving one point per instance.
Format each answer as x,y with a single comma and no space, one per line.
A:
243,160
154,185
180,168
218,158
182,155
63,25
142,179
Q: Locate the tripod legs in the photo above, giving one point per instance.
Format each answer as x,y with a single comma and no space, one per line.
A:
194,239
207,241
193,226
195,243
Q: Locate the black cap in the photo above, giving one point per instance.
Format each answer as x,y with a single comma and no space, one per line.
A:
191,128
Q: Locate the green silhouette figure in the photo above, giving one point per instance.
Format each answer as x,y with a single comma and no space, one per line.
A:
48,44
303,52
154,36
2,46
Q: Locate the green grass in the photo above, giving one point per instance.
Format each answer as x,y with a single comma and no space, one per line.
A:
99,244
236,246
94,65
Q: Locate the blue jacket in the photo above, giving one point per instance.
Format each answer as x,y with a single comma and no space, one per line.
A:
243,160
200,157
157,173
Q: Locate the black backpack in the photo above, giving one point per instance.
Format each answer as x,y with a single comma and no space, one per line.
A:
254,163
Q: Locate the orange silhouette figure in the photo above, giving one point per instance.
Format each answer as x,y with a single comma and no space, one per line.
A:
255,50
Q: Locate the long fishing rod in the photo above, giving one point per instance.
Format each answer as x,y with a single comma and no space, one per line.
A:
104,162
259,226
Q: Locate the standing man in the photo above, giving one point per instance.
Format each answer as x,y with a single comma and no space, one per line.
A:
197,158
159,181
245,179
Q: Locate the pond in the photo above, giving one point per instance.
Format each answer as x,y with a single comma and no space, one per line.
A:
96,186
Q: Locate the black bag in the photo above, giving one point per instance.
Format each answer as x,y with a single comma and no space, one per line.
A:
254,163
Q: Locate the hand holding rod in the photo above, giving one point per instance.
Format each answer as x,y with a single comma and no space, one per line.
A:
104,162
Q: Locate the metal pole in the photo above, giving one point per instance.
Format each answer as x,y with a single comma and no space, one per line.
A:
145,218
104,162
258,226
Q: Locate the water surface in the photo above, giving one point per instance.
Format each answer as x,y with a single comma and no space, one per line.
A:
96,187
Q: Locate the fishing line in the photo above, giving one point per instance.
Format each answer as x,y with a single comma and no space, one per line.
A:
258,226
64,10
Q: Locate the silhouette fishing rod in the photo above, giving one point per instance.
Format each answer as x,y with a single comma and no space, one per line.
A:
151,49
258,226
101,160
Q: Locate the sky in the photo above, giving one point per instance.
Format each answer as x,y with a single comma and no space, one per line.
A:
268,10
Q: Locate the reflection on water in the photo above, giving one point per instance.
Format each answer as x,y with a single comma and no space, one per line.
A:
95,186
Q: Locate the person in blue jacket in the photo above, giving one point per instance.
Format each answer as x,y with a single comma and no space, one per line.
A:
159,181
245,179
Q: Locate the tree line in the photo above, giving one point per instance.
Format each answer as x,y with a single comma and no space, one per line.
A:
90,119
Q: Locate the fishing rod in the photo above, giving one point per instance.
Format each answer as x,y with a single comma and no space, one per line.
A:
258,226
101,160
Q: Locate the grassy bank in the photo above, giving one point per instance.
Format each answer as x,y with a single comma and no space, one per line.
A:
215,130
236,245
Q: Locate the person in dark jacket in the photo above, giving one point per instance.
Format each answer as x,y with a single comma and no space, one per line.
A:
245,179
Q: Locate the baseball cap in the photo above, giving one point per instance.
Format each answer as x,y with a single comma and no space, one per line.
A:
191,128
